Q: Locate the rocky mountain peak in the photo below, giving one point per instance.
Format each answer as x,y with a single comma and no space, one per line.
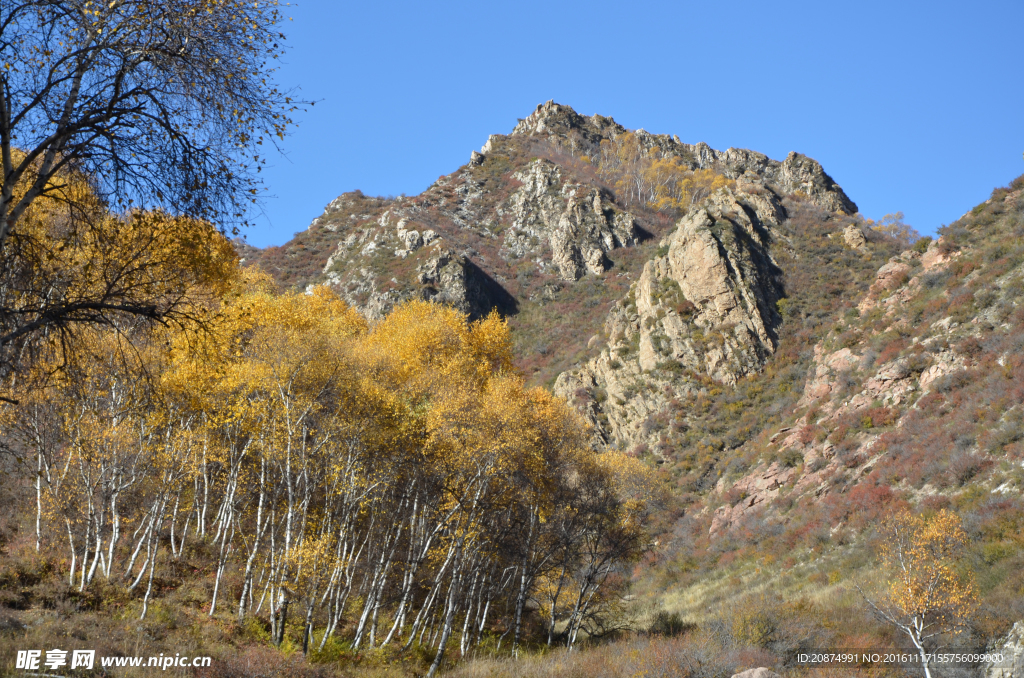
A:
583,135
551,214
558,120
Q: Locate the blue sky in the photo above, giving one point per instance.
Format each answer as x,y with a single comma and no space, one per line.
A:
909,106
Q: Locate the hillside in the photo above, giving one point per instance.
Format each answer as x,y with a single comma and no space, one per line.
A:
764,378
794,370
912,395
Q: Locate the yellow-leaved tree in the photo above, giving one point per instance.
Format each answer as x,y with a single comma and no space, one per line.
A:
396,483
72,266
893,226
929,593
653,177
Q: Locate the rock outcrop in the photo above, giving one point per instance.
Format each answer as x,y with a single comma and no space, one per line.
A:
705,306
1012,650
452,279
580,223
515,211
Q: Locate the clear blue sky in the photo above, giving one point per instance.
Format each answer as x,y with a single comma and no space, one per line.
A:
912,106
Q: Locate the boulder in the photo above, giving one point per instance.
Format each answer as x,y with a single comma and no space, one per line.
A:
854,237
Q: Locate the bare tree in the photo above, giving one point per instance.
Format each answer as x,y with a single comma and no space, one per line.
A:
161,103
123,105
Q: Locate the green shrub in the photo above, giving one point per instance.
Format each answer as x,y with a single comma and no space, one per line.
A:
670,625
791,458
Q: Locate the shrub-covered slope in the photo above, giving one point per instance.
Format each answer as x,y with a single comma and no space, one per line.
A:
911,396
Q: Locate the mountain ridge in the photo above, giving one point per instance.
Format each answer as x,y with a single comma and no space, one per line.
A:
522,223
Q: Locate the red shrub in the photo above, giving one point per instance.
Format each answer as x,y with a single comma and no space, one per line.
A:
970,347
930,401
839,433
806,434
963,467
882,416
863,504
892,350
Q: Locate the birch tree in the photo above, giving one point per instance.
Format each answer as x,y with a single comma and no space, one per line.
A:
927,595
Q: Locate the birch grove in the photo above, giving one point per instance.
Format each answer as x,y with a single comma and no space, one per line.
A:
386,485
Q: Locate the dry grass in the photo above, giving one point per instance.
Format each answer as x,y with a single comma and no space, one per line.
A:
697,656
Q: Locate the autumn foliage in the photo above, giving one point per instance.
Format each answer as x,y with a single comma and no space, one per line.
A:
926,594
920,556
72,265
651,178
387,485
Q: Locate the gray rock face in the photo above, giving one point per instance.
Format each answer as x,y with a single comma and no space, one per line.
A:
413,239
1012,649
579,223
706,306
718,257
450,278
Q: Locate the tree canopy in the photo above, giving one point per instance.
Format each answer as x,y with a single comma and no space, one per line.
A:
131,131
398,484
161,104
61,274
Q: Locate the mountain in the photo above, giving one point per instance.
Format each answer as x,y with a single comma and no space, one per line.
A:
620,303
535,228
803,392
794,370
